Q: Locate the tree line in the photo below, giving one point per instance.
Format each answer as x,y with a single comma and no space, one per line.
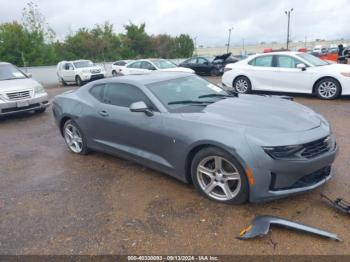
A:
32,42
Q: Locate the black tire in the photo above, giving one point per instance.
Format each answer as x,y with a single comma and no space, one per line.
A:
40,111
114,73
84,148
333,91
243,192
63,82
215,72
242,85
78,81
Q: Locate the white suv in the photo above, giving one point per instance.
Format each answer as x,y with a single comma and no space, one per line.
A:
79,72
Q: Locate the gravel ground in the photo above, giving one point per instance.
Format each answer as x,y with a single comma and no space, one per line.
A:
54,202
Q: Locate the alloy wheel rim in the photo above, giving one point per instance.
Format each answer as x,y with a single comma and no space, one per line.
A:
241,86
218,178
327,89
73,138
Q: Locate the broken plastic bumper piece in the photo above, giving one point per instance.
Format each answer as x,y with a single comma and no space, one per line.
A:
261,224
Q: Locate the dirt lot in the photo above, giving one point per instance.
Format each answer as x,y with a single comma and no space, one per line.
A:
54,202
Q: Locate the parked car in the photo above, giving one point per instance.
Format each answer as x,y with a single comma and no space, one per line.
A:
317,50
232,148
213,66
293,72
118,65
79,72
146,66
20,93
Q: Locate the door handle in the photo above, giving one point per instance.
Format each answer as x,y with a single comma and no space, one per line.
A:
103,113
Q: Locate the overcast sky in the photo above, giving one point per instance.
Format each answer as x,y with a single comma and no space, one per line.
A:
208,20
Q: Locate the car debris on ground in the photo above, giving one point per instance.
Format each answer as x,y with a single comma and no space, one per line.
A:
261,224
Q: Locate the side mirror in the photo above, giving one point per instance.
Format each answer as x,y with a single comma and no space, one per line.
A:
301,66
140,107
206,63
29,75
152,68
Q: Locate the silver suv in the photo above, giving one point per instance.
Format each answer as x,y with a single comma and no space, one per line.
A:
20,93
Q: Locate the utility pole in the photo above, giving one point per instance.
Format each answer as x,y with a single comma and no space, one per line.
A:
288,14
243,46
229,38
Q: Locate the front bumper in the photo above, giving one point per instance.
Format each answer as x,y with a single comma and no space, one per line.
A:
92,77
285,178
14,107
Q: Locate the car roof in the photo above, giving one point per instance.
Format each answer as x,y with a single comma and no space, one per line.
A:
4,63
146,79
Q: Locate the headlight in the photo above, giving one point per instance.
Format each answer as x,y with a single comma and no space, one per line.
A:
283,152
227,69
39,89
346,74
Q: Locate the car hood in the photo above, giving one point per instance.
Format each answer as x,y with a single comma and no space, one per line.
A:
222,57
262,112
335,68
91,69
178,69
17,85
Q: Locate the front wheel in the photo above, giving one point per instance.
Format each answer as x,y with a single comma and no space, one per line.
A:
218,176
74,138
114,73
242,85
328,89
78,81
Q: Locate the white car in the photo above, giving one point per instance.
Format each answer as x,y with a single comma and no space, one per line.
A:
292,72
147,66
20,93
117,66
79,72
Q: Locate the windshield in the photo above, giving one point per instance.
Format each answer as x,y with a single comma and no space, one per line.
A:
164,64
313,60
82,64
10,72
186,91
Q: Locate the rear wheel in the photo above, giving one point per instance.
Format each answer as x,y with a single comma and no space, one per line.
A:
242,85
74,138
218,176
328,88
63,82
78,81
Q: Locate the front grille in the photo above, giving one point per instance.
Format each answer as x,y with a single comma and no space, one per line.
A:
316,148
18,95
95,77
305,181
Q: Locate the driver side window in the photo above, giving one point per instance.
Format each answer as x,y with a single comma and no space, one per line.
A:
147,65
202,61
124,95
135,65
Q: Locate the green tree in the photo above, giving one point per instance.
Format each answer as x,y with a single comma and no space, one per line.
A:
135,41
14,43
184,46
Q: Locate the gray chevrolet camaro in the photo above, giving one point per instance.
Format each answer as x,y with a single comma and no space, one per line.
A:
232,148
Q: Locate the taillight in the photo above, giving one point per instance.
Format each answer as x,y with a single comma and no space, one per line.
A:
227,69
